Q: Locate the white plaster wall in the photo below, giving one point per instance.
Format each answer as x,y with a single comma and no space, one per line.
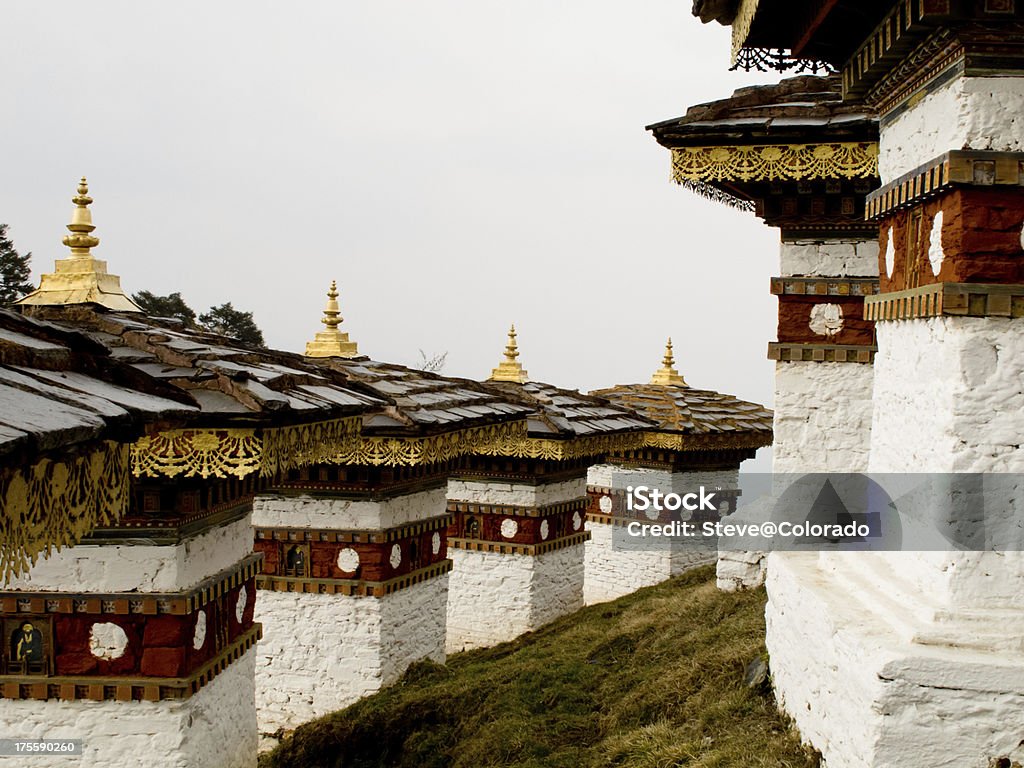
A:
216,728
967,113
301,511
321,653
517,494
620,478
139,568
612,571
558,578
495,598
863,696
949,396
414,626
489,600
823,415
829,258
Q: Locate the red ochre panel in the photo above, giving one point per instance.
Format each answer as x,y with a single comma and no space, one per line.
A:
795,321
981,240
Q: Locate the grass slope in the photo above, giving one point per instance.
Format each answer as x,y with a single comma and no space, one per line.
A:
652,680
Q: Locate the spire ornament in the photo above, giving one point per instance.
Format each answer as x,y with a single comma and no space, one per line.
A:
331,342
667,375
510,368
81,278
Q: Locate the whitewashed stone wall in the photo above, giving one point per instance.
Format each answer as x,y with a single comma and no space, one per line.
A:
516,494
948,396
870,652
822,417
321,653
829,258
866,697
495,598
215,728
968,113
139,568
613,570
301,511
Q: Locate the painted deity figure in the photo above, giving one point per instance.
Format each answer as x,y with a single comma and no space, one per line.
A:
27,644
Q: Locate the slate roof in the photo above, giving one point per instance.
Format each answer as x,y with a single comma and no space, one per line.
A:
228,383
60,389
422,402
563,414
795,110
687,411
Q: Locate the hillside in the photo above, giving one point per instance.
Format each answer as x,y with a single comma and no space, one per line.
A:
653,680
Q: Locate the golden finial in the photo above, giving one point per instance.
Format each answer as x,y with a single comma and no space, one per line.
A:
331,342
668,375
510,369
81,278
80,241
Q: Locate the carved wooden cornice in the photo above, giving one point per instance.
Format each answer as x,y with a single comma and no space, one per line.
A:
948,299
508,548
352,587
822,353
973,168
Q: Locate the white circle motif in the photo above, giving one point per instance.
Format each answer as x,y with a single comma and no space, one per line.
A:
243,598
107,641
435,542
348,560
935,252
396,556
826,319
199,637
509,528
606,504
890,253
577,521
544,529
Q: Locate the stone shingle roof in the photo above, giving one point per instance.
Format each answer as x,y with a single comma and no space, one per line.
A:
229,383
60,389
798,109
567,414
694,412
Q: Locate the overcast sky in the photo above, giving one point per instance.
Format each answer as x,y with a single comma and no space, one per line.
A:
454,165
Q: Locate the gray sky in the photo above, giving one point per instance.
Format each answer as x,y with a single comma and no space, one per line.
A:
455,165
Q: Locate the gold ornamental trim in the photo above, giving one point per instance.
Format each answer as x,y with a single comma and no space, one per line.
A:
741,26
318,442
197,453
777,162
705,442
54,503
240,452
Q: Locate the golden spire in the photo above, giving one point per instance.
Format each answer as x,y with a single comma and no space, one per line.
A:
80,278
510,368
331,342
668,375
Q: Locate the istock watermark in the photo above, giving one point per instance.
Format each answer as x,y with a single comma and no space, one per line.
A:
970,512
642,499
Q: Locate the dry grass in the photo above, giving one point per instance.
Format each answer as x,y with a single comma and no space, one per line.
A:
653,680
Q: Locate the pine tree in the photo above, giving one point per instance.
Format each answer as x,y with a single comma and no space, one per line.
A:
171,305
14,271
229,321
